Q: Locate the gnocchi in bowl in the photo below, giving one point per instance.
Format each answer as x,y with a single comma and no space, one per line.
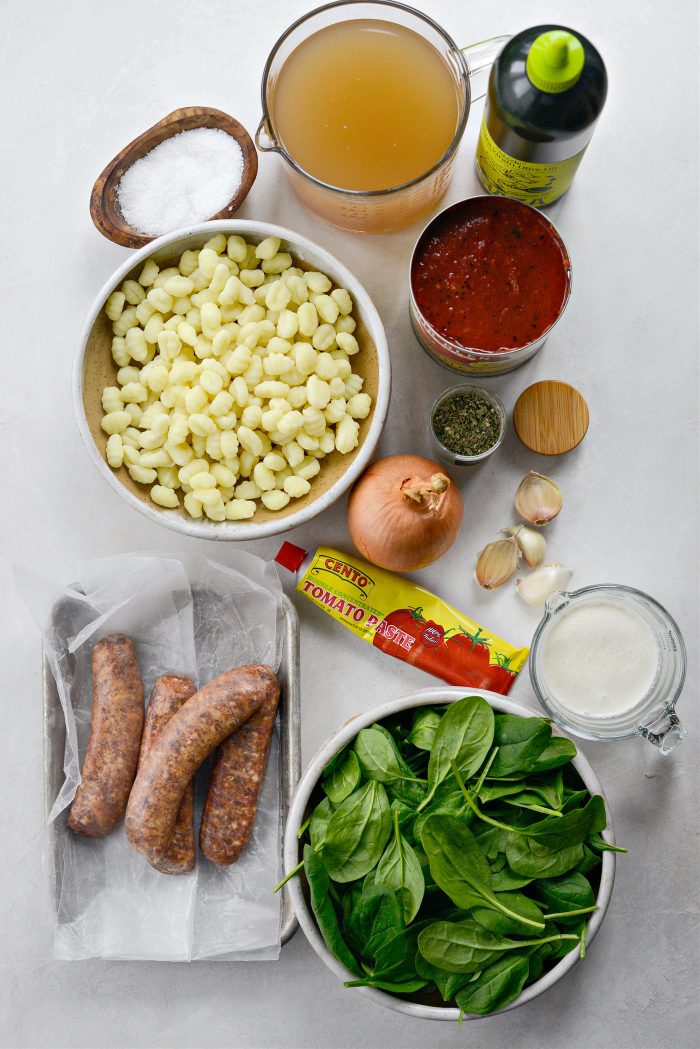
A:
232,380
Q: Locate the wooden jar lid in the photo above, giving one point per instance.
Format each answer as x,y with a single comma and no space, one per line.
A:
550,417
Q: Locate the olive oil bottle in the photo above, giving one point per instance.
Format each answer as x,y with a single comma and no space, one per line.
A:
546,91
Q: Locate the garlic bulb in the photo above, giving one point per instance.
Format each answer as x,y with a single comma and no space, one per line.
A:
497,563
532,544
535,588
538,499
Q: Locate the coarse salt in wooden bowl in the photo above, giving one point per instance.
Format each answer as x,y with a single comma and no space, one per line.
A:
104,201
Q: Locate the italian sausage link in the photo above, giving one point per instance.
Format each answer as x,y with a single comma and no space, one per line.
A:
232,798
169,693
115,735
190,736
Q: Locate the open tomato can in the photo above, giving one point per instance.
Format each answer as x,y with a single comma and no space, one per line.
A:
489,278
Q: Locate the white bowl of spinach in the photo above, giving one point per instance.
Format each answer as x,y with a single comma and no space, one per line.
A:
448,855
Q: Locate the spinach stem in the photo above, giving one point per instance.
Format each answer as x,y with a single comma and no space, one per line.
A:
571,914
288,876
534,808
475,808
303,828
537,943
584,933
600,845
485,771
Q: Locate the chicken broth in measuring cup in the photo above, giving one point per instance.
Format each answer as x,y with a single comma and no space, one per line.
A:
365,105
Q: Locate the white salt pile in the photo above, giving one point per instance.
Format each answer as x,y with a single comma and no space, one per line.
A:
186,179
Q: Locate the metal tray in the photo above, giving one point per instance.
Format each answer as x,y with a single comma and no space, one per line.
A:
290,745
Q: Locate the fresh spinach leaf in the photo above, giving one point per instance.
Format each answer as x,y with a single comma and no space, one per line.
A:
394,960
462,947
464,735
501,924
459,866
459,947
400,870
575,800
506,880
411,793
535,967
559,751
573,828
520,742
450,804
336,760
530,857
407,987
357,833
497,986
318,824
448,984
569,892
324,911
425,725
590,862
379,757
494,790
344,778
407,818
375,915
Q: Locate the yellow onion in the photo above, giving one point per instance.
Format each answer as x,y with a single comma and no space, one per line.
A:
404,512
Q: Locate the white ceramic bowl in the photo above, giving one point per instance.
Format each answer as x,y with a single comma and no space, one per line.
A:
94,369
427,697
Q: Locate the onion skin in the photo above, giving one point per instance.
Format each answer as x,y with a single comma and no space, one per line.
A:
404,512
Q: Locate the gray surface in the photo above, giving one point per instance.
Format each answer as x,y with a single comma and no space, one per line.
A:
79,80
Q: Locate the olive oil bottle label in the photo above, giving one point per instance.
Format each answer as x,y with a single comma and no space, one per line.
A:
536,184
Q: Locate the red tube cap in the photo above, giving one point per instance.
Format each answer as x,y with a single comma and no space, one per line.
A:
290,556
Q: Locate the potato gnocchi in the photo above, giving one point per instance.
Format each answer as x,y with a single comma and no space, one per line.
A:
235,379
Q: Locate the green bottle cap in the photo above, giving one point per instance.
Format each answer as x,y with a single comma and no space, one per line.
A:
555,61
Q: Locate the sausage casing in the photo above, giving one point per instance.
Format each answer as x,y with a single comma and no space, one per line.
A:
190,736
115,736
236,779
169,693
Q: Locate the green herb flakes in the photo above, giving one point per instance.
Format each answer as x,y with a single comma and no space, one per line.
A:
467,423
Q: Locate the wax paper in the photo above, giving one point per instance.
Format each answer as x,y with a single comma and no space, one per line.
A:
191,616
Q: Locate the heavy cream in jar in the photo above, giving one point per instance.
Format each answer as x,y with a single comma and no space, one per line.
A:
599,659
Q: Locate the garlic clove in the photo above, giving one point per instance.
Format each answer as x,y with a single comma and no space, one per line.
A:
532,544
535,588
538,499
497,563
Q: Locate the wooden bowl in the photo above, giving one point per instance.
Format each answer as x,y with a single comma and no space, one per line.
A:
94,369
104,202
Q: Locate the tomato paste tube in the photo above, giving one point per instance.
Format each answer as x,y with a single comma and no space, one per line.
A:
403,619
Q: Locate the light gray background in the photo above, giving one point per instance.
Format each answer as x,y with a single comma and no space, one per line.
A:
78,80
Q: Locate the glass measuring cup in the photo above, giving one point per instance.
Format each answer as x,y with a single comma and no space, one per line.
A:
380,210
654,716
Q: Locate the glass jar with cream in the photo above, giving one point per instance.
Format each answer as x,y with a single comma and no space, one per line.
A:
608,662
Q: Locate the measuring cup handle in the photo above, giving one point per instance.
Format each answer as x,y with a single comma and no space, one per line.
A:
264,139
480,56
666,732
